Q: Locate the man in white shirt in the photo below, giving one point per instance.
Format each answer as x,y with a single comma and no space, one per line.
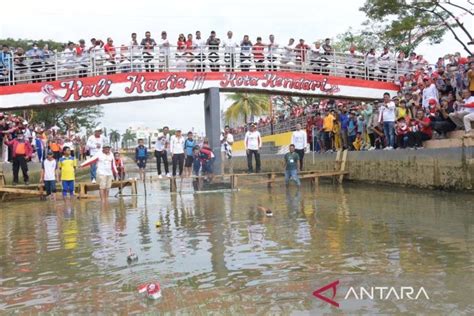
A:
200,47
105,170
387,117
351,62
227,139
94,144
298,138
429,92
164,46
272,50
230,45
288,54
465,115
177,152
253,143
384,63
161,154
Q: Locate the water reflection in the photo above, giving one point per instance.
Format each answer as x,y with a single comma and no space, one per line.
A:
219,253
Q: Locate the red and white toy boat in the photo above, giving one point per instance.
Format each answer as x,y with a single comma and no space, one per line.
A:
152,290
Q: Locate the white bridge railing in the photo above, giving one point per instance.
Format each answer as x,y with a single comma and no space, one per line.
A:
57,66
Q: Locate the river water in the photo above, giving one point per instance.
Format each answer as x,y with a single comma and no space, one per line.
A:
218,253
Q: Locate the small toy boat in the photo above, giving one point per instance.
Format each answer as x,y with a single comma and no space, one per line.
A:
268,212
151,290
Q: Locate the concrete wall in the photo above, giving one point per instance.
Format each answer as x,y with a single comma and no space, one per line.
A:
445,168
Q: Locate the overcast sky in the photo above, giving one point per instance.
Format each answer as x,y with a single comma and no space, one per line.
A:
71,21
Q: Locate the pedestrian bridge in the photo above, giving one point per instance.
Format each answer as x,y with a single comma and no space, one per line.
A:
132,74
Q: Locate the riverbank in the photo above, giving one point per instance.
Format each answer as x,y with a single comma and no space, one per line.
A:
442,168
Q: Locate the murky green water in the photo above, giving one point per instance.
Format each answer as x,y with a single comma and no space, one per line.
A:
216,253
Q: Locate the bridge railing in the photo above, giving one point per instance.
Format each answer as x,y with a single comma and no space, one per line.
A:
280,126
34,67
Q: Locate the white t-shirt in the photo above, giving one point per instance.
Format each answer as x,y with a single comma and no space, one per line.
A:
160,144
105,164
94,142
49,167
467,101
229,141
69,144
163,44
429,93
387,112
230,45
298,138
272,48
177,145
253,140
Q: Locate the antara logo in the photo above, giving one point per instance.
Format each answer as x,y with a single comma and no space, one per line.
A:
372,293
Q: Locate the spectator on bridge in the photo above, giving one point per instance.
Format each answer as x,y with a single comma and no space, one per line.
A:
299,139
318,61
164,54
288,54
351,62
384,63
181,43
82,57
245,51
110,54
213,46
200,46
134,41
6,66
301,50
22,152
370,64
271,53
20,60
36,56
258,57
148,44
230,46
253,143
327,47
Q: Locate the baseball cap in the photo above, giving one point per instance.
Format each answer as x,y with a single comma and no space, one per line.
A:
50,153
432,101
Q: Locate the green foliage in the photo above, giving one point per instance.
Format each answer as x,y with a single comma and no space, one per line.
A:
405,24
74,119
27,43
247,105
114,137
128,137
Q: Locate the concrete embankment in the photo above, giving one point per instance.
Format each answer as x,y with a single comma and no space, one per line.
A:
443,168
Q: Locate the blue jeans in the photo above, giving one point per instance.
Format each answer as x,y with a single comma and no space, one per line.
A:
389,132
68,186
93,171
292,174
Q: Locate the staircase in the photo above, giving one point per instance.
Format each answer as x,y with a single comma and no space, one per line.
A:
455,139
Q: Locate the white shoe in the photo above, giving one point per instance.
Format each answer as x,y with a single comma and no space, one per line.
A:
160,177
168,175
371,148
93,181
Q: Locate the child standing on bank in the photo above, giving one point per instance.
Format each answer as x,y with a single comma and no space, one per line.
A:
141,156
49,168
120,174
67,165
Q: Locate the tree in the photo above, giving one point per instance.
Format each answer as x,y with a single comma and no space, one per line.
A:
73,119
405,24
27,43
114,137
247,105
127,137
363,40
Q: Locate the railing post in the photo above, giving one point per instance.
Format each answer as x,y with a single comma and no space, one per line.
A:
12,61
55,64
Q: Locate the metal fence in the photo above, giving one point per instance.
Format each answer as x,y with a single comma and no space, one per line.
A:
276,128
36,65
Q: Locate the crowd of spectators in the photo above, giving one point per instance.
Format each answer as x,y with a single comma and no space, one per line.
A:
39,141
432,101
194,53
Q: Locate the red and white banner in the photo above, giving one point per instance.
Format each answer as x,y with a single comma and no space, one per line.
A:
122,87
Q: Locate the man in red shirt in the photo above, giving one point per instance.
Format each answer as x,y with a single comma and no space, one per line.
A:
422,130
257,51
21,153
301,50
110,52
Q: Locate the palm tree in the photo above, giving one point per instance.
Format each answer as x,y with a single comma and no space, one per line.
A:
114,137
127,137
247,105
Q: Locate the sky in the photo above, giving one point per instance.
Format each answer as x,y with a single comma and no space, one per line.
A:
308,19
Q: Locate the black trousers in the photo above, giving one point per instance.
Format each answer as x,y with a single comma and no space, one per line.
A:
178,161
20,162
300,153
251,152
161,155
417,139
